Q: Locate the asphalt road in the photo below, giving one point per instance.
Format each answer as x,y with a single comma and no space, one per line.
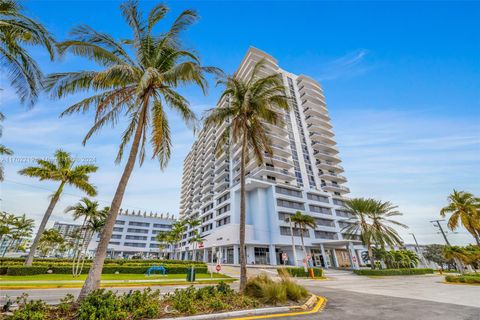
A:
345,305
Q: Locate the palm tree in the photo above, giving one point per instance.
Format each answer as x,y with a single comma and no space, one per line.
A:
16,31
175,236
196,238
163,239
3,150
22,228
252,103
303,222
61,169
464,208
371,219
86,209
50,240
95,224
137,87
6,224
457,254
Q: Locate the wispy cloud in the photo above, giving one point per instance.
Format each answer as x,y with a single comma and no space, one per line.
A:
351,64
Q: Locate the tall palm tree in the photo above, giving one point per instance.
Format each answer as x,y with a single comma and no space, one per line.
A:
303,222
86,209
196,238
17,31
464,208
371,219
63,170
3,150
252,102
137,86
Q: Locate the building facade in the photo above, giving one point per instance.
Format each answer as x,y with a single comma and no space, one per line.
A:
304,175
134,235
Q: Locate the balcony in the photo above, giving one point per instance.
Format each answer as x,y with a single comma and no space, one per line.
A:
222,175
326,156
323,138
329,165
334,177
335,188
318,121
317,145
315,111
221,185
320,129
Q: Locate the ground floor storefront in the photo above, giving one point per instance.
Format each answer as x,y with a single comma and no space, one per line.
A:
336,254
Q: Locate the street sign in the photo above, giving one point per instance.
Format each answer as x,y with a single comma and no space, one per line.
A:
218,268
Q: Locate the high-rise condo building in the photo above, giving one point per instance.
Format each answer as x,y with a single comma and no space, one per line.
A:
304,175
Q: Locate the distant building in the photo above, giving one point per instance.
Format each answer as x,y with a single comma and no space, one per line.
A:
134,235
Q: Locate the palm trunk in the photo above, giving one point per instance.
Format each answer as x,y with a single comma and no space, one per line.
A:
93,279
243,258
370,255
77,251
43,224
303,245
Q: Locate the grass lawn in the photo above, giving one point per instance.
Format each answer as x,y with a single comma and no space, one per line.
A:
67,281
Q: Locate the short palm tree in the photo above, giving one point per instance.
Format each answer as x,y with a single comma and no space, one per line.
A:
163,241
21,228
137,80
17,31
175,236
196,238
464,208
63,170
252,103
303,222
86,209
3,150
7,221
50,241
371,219
94,224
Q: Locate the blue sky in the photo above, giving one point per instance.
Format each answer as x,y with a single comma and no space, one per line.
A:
402,83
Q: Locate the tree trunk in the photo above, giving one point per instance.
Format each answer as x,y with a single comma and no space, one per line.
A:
43,224
303,245
370,255
243,258
93,279
77,251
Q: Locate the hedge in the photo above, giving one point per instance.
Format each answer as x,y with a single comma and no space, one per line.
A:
464,278
300,272
56,261
392,272
25,271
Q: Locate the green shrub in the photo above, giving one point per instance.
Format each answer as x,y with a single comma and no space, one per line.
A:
142,304
295,292
254,285
183,300
470,278
392,272
300,272
274,293
25,271
101,305
30,310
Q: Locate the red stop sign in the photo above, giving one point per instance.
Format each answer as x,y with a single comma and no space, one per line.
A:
218,268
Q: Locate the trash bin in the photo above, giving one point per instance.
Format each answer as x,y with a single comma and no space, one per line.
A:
191,274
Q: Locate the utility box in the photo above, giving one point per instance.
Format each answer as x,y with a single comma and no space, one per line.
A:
191,274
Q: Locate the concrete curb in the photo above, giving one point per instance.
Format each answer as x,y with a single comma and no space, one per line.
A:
314,302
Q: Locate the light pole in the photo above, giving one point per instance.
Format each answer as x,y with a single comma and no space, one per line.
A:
416,243
437,222
293,243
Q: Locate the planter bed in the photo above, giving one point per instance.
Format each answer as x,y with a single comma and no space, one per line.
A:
470,278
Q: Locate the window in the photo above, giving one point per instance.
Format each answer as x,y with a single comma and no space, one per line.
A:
138,224
284,216
325,222
223,209
133,230
160,225
207,217
120,222
343,213
290,204
316,197
223,198
210,206
285,231
326,235
128,237
288,192
319,209
339,202
154,245
223,221
134,244
117,229
116,236
116,243
207,227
